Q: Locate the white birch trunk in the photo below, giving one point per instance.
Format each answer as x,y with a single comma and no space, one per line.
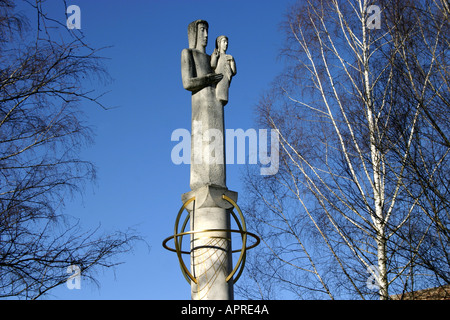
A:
376,158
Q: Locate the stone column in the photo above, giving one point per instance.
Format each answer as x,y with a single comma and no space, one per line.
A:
211,258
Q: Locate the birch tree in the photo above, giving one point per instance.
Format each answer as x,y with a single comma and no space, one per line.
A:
362,141
423,66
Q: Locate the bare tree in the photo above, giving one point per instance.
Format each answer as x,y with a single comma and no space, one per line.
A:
358,199
423,68
41,133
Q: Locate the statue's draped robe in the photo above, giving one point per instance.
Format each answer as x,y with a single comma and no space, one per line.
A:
223,67
207,165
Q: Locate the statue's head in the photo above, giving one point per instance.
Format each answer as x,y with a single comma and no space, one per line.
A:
222,43
193,33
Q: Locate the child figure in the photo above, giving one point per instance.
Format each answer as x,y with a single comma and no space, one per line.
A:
223,63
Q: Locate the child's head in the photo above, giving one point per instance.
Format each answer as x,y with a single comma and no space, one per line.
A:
222,43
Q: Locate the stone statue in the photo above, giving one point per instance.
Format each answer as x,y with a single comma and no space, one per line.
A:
224,64
207,111
209,213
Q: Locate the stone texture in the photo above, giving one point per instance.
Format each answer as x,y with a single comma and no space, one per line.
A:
211,258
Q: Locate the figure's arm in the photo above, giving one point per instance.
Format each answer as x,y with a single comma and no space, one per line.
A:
232,64
189,76
214,59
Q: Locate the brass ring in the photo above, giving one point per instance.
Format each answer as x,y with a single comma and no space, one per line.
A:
210,230
242,230
241,261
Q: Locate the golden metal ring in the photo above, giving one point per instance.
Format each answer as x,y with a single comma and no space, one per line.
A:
210,230
187,275
242,257
242,230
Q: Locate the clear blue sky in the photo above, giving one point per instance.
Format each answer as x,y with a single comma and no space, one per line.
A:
138,185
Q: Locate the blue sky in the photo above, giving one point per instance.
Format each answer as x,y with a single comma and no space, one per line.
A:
138,185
